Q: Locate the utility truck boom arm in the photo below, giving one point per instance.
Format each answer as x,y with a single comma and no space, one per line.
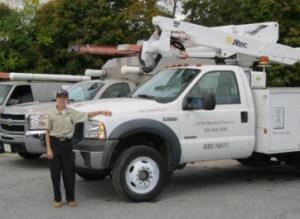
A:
13,76
181,39
120,50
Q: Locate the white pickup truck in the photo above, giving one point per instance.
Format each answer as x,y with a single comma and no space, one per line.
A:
193,113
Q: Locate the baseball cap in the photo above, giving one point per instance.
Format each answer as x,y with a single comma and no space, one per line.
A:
62,93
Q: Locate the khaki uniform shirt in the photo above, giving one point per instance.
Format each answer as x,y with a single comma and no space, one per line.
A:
61,125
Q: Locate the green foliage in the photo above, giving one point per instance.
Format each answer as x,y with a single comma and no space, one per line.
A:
63,22
16,38
4,11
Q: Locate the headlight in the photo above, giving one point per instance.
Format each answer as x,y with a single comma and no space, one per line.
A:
37,122
94,129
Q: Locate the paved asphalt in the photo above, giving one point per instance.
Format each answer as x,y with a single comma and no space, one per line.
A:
220,189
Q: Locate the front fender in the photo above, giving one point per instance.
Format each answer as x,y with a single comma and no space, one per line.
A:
151,126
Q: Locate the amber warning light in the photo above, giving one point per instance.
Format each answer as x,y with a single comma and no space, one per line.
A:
263,61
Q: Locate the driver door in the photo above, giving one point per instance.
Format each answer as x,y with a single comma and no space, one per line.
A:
220,133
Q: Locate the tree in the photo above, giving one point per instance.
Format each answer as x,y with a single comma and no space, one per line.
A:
106,22
16,37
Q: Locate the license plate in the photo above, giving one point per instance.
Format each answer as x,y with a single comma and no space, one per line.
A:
7,148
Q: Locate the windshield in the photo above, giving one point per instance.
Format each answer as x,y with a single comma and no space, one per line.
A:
84,91
4,90
167,85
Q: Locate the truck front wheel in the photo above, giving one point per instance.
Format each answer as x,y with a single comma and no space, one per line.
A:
139,174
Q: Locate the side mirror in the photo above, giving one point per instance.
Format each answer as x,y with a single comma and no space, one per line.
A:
207,102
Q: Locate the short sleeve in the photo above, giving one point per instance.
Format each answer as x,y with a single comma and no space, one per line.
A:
49,122
79,116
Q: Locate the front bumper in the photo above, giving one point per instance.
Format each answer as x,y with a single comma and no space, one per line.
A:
32,142
93,155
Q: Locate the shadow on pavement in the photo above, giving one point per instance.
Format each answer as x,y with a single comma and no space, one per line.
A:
193,179
17,161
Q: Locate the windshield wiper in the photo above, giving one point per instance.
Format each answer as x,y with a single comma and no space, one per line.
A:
94,86
147,96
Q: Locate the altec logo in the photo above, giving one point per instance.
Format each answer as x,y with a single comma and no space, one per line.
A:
235,42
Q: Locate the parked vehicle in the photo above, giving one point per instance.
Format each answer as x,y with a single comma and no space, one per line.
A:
193,113
21,88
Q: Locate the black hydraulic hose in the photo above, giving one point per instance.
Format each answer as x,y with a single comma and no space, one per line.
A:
178,45
148,69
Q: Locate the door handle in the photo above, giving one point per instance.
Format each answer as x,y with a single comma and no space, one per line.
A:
244,117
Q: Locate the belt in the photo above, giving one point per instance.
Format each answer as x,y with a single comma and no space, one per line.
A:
62,139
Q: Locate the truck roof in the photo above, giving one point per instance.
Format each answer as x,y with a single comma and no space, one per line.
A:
32,82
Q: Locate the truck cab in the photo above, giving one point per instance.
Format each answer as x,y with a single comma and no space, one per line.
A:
180,115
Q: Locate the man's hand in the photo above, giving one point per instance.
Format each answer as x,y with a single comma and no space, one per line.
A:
100,112
106,113
49,154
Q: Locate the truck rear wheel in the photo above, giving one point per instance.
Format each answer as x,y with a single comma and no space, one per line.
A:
256,159
139,174
297,161
29,156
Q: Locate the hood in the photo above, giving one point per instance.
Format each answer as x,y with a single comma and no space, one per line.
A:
122,106
32,108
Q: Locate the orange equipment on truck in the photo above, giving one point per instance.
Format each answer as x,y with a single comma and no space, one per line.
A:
119,50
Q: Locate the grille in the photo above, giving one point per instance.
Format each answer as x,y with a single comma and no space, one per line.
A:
13,128
12,116
12,123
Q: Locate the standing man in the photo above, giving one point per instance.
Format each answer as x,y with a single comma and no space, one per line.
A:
60,129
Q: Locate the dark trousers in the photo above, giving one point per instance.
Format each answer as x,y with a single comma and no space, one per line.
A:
63,163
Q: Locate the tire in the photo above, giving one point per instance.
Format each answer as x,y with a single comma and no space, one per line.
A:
2,148
245,162
297,161
29,156
256,159
139,174
297,165
91,177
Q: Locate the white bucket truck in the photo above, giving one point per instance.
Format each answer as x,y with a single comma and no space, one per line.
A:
193,113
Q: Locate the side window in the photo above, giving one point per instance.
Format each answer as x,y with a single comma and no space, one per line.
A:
227,91
21,94
117,90
222,83
4,91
